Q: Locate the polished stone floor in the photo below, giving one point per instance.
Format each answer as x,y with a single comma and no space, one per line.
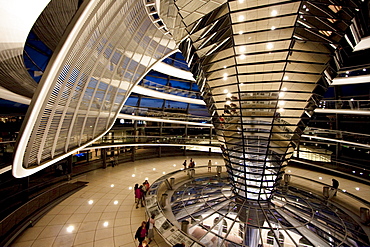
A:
104,213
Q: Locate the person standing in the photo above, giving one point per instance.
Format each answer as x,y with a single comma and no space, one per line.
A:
147,185
335,186
139,193
209,165
141,233
136,193
184,164
151,224
112,161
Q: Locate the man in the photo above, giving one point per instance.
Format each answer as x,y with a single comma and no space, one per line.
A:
335,186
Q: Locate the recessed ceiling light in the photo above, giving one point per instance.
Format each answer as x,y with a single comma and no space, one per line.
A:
241,18
270,46
273,28
70,228
242,56
274,13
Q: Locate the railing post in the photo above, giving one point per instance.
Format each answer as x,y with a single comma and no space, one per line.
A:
365,215
185,226
164,200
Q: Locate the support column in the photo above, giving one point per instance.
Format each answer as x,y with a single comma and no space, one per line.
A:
104,157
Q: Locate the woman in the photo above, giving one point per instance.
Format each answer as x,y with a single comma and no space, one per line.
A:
151,228
141,233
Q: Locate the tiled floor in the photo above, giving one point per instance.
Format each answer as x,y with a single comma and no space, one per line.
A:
104,214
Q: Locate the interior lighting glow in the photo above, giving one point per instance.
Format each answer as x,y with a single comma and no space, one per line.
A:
240,32
241,1
344,190
112,185
281,109
90,202
282,102
228,95
274,13
289,171
133,175
163,173
154,169
273,28
70,228
320,178
242,56
363,69
146,178
130,188
228,102
115,202
347,72
286,77
353,171
281,94
174,165
242,49
357,188
105,224
226,91
241,18
270,46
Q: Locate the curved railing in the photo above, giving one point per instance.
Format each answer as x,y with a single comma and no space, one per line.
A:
169,89
351,104
143,111
159,197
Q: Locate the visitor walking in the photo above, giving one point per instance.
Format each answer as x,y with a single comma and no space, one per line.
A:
141,233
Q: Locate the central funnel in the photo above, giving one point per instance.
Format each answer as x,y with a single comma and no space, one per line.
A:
262,69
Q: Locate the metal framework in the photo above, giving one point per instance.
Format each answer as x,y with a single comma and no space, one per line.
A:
107,49
262,67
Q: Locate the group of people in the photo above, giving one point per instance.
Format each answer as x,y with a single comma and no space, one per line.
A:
192,164
146,230
140,192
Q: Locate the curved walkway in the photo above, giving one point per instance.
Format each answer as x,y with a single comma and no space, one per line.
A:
111,220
